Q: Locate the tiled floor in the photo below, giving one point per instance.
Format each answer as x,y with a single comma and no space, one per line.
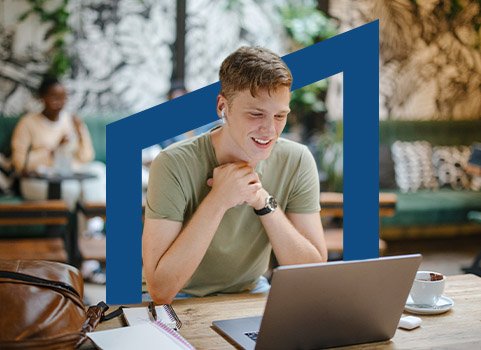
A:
447,256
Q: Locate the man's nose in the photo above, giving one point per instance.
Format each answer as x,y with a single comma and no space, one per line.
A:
268,125
57,103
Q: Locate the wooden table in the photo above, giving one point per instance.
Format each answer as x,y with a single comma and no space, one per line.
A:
459,328
48,212
52,245
332,206
55,181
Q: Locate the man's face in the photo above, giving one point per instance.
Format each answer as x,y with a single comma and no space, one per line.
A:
255,123
55,99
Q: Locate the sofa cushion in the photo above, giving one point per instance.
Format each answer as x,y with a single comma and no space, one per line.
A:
97,129
413,165
439,207
449,165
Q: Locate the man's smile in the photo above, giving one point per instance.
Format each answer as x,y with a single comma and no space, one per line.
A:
262,142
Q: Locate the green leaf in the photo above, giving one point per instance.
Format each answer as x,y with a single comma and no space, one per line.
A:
24,16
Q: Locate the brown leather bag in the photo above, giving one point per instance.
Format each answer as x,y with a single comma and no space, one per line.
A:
41,306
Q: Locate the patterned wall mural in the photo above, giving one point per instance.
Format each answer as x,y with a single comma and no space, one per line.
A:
122,54
22,57
216,28
430,57
122,51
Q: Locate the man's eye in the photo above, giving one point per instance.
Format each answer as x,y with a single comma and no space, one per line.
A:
256,115
281,116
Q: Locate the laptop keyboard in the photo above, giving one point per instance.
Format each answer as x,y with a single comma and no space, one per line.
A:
252,335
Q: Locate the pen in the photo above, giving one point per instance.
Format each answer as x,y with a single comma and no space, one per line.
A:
152,310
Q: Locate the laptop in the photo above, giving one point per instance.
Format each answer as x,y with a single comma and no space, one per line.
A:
331,304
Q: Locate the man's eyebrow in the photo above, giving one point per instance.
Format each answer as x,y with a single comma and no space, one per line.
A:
287,111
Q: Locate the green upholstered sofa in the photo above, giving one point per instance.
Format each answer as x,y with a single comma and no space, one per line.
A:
418,214
96,126
427,213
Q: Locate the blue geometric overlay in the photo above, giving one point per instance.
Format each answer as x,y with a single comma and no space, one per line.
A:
355,53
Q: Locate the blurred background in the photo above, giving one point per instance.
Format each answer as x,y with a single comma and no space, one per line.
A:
120,57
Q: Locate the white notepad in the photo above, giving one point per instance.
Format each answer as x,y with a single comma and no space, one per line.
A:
138,315
148,335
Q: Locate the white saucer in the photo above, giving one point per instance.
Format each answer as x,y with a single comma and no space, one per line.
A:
444,304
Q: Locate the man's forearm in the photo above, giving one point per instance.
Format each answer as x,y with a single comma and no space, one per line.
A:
289,245
180,261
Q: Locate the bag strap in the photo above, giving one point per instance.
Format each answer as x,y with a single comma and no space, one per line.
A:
113,314
95,315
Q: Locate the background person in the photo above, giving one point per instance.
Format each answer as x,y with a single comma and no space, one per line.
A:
41,139
54,140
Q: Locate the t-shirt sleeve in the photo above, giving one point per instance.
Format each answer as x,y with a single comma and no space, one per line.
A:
165,198
304,197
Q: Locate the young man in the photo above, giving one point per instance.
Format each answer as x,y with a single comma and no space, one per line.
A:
219,203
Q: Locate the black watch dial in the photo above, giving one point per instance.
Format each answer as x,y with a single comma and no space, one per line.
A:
271,203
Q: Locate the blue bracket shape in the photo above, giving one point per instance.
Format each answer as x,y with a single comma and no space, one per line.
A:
355,53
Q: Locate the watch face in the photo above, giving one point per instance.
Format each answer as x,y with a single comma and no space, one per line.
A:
271,203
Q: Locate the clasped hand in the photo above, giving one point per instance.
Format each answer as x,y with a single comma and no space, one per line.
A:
237,183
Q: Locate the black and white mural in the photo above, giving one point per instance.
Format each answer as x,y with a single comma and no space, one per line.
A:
122,54
122,50
216,28
23,57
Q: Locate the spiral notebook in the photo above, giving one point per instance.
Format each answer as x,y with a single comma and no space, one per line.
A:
147,335
165,313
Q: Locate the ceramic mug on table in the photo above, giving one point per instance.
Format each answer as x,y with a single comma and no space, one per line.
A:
428,287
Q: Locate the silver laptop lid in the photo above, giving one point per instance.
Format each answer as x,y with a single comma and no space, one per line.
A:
337,303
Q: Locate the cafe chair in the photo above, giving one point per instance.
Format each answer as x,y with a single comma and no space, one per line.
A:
45,234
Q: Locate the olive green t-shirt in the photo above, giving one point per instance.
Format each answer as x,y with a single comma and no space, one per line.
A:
240,250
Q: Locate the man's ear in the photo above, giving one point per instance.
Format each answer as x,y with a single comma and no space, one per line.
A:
221,105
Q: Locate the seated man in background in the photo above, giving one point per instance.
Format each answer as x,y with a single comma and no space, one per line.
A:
55,139
218,204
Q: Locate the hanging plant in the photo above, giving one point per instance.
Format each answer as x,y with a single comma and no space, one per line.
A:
305,25
57,18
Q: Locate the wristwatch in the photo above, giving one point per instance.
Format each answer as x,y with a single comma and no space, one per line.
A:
271,205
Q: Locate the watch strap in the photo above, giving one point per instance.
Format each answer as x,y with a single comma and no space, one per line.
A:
263,211
271,205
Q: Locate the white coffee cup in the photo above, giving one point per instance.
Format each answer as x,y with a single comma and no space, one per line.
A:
428,287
